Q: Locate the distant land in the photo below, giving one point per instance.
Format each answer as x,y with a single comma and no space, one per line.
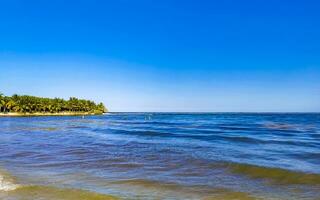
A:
25,105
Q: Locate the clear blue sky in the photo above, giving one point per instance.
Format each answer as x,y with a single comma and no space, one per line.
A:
168,55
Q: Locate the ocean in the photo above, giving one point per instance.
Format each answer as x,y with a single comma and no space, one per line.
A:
161,156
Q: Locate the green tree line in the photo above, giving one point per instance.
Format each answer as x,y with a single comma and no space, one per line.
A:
31,104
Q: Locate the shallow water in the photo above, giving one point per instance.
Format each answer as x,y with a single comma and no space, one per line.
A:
161,156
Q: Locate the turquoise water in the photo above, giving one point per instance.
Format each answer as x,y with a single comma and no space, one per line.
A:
163,155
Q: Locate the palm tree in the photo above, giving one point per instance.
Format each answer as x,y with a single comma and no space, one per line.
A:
2,104
31,104
10,105
1,101
17,108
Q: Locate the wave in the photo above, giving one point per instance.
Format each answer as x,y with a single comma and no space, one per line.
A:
166,189
203,135
276,175
10,189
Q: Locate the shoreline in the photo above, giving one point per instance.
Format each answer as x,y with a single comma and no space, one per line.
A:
15,114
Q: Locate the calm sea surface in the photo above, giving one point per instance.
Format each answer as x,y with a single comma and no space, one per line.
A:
161,156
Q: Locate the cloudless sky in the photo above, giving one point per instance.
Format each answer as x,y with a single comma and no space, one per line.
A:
166,55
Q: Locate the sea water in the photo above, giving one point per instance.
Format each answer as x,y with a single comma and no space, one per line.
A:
161,156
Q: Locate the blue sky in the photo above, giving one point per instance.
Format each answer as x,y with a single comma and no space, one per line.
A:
169,55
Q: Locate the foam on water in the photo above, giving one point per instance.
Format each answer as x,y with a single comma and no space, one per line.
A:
7,184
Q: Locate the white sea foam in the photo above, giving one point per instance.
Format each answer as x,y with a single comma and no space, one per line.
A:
7,185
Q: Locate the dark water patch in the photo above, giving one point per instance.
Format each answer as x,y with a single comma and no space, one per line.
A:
22,154
313,144
134,132
287,134
315,156
55,164
76,151
242,139
279,126
153,123
315,135
126,166
214,135
288,127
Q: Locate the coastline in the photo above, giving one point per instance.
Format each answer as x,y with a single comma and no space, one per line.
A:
16,114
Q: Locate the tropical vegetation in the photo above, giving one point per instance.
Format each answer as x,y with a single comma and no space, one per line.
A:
31,104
